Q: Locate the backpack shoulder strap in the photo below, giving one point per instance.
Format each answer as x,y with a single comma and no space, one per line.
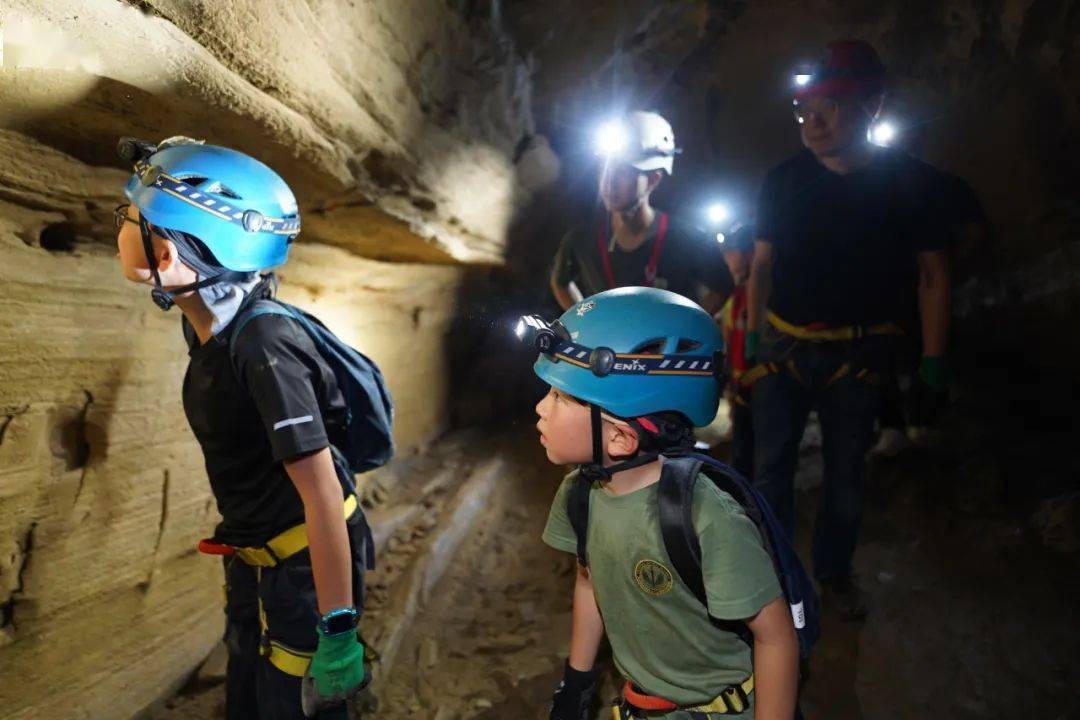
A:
675,495
261,307
577,510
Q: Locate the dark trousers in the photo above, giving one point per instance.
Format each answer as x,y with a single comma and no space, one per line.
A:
742,436
255,689
892,413
847,407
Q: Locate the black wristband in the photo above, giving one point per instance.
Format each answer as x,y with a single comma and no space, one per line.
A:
577,680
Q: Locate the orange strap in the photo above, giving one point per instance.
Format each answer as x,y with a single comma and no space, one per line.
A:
212,547
645,702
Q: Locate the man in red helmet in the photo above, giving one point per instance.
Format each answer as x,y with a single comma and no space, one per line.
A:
848,235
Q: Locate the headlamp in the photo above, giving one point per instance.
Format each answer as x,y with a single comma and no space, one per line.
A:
535,331
717,213
132,150
882,133
611,139
803,79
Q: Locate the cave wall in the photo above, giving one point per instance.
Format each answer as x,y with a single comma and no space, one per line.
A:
404,129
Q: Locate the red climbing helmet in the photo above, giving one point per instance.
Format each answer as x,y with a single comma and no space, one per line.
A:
847,67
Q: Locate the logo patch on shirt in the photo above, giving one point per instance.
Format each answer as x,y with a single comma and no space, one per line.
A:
652,577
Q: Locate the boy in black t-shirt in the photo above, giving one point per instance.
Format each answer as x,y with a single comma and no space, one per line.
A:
201,222
848,234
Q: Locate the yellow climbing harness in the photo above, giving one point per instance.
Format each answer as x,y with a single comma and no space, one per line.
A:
636,704
816,333
283,545
813,333
286,659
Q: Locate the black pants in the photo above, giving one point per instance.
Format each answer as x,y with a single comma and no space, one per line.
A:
847,407
742,437
255,689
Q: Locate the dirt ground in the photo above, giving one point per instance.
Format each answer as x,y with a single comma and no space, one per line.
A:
970,618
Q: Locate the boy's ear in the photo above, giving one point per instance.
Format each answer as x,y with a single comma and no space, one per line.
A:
622,441
165,251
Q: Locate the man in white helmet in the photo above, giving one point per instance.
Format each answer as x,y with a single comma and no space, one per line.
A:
630,243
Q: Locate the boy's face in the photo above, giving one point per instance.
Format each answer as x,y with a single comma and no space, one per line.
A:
564,427
130,248
132,255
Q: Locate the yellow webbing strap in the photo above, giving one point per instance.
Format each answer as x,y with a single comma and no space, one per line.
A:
286,544
727,316
295,538
840,372
256,556
755,373
847,332
790,365
284,658
728,701
289,661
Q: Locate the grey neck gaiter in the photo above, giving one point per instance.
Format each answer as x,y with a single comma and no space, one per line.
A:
223,299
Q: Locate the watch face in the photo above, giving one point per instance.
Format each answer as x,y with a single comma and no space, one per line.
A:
338,624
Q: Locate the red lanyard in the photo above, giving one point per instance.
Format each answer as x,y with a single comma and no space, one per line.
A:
654,260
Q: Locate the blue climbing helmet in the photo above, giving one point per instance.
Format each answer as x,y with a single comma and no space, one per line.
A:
237,207
640,354
635,351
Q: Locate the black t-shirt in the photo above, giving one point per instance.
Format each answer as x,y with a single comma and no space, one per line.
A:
960,204
845,246
278,404
688,258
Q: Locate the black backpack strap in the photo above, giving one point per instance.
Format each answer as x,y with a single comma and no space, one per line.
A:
577,510
676,495
248,312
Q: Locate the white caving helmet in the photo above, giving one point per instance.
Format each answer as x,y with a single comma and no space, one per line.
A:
641,139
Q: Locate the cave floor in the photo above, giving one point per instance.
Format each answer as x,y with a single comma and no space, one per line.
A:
969,618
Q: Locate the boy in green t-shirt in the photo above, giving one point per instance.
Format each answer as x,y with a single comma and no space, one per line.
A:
631,371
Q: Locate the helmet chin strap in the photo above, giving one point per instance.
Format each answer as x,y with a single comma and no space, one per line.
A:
163,298
596,470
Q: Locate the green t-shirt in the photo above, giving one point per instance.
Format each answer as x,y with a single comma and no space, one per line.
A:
660,634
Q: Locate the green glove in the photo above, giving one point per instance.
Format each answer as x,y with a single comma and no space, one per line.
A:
750,348
336,672
933,372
